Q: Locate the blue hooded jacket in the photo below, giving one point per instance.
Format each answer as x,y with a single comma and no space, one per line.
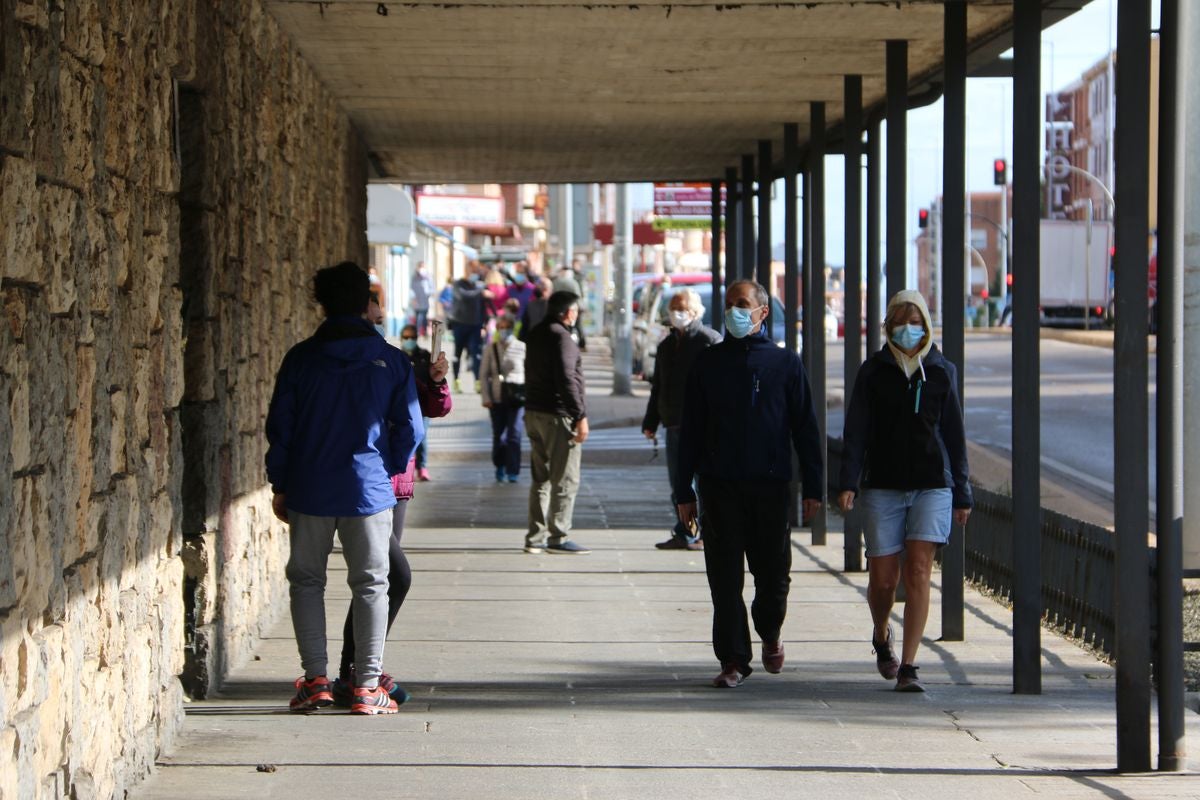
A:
747,406
344,418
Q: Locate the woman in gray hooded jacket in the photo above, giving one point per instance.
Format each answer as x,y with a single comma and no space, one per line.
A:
905,447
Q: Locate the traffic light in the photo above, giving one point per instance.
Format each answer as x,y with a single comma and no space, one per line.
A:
1008,279
923,218
1000,172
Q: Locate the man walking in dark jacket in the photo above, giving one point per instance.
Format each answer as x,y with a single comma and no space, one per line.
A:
466,319
689,337
343,419
747,407
556,421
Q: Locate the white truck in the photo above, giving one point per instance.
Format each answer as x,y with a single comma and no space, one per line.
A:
1075,287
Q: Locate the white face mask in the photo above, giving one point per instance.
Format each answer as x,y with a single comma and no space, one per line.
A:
681,319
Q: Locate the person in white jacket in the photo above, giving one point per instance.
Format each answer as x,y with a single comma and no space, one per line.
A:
502,389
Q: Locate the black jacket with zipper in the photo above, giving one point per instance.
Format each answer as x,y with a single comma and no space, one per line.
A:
906,433
672,361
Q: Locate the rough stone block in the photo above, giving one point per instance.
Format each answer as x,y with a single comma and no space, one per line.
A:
56,231
16,368
77,101
83,33
20,258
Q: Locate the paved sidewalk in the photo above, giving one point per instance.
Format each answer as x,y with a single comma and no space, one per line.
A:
554,676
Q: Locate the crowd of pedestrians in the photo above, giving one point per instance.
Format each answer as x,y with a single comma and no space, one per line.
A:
349,415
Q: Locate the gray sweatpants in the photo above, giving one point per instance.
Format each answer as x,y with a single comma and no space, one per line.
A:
365,548
554,459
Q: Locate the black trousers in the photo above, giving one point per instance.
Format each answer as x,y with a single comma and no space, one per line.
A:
745,522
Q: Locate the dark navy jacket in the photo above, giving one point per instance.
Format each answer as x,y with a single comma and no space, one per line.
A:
747,406
906,433
344,418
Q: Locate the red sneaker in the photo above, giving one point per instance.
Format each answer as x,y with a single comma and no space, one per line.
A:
312,694
373,701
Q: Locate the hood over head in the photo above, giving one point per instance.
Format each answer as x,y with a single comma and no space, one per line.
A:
910,364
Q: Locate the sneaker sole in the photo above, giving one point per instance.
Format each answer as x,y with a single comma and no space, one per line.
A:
535,550
720,684
372,711
910,687
313,703
568,552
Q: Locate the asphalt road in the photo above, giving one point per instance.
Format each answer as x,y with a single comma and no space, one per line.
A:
1076,406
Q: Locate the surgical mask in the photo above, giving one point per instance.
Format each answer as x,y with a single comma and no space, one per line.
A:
409,345
907,337
738,321
505,334
680,319
519,279
382,331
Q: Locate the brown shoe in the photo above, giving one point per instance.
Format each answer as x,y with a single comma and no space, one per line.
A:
885,657
773,657
730,678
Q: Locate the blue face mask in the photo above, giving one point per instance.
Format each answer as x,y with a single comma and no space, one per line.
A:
738,322
505,334
519,279
409,345
907,337
382,331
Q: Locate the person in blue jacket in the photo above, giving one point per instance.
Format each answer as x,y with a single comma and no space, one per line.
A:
747,407
905,446
343,419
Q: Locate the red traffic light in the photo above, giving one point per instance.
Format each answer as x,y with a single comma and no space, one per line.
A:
923,218
1000,172
983,293
1008,279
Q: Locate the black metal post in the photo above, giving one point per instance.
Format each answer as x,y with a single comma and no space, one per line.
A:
806,261
747,237
816,320
791,252
874,264
852,97
954,189
717,305
764,215
897,165
1026,388
1172,744
733,223
1130,401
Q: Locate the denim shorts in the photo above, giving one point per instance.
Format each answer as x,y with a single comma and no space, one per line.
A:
893,516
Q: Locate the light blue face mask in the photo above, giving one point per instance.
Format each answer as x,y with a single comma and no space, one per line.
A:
409,345
519,279
382,331
505,334
908,336
738,321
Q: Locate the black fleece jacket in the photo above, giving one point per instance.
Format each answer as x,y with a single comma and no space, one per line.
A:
554,372
906,432
672,361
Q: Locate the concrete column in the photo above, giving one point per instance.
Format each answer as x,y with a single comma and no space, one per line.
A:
622,340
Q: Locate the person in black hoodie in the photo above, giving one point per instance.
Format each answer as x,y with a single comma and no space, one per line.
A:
689,337
905,445
747,407
556,421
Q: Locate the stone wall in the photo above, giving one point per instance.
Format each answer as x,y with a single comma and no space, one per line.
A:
171,172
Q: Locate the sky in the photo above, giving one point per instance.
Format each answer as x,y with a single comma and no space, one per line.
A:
1068,49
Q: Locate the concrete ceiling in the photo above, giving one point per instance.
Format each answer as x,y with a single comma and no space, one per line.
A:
476,91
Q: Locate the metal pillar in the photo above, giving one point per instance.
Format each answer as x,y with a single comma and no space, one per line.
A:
791,252
622,294
897,165
733,223
717,303
954,191
1189,33
806,262
1172,749
814,322
853,356
747,236
874,266
1130,374
1026,385
764,216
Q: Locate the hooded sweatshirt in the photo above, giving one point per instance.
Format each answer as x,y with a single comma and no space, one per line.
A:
904,426
343,418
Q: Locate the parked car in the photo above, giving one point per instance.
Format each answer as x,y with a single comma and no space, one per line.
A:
647,291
